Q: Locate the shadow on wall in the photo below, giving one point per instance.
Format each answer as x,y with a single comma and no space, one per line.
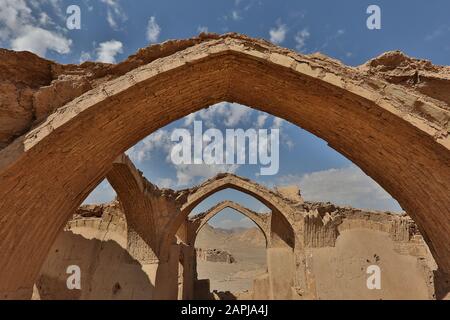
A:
441,285
224,295
282,234
107,271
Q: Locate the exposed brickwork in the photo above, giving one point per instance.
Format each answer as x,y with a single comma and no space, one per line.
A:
396,133
195,223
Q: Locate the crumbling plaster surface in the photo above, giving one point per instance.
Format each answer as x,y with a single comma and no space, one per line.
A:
33,87
95,240
196,222
340,242
391,124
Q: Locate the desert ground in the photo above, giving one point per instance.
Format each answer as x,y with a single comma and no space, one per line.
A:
247,246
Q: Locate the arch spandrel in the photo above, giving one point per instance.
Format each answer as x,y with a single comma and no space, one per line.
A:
374,123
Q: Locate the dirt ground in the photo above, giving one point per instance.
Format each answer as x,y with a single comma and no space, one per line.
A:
247,246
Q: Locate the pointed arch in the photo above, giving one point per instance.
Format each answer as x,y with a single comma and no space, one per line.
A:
381,127
261,220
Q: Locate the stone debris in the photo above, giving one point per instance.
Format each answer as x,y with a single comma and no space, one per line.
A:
214,255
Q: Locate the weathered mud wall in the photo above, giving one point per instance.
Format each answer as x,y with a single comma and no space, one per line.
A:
376,115
340,272
32,87
334,262
97,245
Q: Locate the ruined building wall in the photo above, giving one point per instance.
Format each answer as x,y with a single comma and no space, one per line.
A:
340,272
342,242
370,114
333,267
96,241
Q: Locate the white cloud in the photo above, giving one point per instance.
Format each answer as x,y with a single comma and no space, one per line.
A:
85,56
437,33
114,13
165,182
232,114
56,5
277,123
159,142
142,150
332,39
189,119
107,51
110,18
14,15
153,30
201,29
278,34
39,40
44,19
344,186
187,173
235,114
24,31
300,39
235,15
287,141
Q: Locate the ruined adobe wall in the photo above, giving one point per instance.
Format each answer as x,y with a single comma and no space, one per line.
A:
356,112
325,221
214,255
333,266
32,87
103,217
341,242
407,268
414,75
345,265
148,209
96,241
115,263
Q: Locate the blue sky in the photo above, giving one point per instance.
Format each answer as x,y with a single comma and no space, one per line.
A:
336,28
111,30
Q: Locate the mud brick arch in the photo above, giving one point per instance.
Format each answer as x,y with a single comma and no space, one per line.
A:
398,135
281,213
261,220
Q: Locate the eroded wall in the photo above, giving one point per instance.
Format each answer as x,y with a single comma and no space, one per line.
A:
332,265
340,272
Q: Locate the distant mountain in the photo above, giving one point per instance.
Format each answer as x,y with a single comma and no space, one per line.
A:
210,237
252,236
